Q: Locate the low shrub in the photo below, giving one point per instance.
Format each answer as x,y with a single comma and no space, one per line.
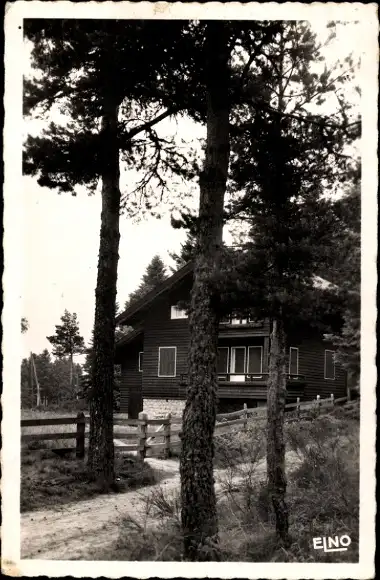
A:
48,479
322,498
236,447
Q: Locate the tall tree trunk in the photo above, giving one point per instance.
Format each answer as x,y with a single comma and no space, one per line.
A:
278,378
38,399
275,428
199,519
71,373
31,381
101,448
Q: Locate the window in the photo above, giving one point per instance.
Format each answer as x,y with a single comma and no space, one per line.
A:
141,354
222,362
255,360
167,361
176,313
239,320
293,361
238,360
330,364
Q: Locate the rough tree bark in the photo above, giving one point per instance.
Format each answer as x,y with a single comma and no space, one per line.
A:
275,428
199,519
277,382
101,448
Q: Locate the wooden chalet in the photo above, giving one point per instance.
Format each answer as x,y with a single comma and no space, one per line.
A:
153,357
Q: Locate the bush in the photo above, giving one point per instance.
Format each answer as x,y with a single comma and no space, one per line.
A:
322,497
48,479
231,449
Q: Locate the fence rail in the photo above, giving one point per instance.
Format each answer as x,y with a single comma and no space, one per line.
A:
145,440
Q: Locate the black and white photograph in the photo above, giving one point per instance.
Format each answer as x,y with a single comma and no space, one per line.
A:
190,247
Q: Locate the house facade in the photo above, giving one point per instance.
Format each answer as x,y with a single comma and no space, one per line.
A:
153,358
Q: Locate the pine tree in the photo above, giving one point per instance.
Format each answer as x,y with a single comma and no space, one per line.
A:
284,158
62,391
154,276
26,391
86,390
44,372
186,253
53,378
344,271
67,341
199,520
93,71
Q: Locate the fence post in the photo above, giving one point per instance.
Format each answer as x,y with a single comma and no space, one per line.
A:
332,399
298,408
167,428
142,435
81,428
245,416
318,404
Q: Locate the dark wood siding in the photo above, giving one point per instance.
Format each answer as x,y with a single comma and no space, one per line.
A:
241,341
131,380
161,330
311,364
235,330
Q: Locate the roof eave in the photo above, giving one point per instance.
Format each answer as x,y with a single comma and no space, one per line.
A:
139,305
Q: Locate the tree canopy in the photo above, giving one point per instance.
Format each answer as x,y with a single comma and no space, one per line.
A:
54,378
253,86
155,274
67,340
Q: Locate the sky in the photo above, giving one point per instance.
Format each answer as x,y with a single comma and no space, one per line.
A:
61,240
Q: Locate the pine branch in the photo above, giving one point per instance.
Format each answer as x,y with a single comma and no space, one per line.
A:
261,106
329,85
148,124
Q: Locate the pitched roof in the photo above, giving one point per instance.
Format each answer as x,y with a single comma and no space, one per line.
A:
145,301
129,337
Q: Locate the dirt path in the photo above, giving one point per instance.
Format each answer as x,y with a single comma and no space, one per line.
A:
71,531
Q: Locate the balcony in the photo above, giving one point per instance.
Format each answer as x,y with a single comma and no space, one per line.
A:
254,386
231,326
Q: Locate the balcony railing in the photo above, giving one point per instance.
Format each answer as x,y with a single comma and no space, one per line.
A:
248,378
237,321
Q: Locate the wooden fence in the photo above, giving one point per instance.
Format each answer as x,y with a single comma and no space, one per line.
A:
142,434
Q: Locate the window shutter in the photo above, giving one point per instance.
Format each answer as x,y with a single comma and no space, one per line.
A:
329,364
255,354
222,365
167,361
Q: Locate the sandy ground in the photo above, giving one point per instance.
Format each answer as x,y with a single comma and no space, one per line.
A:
72,531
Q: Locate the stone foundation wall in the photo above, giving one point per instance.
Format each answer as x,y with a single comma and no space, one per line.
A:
159,408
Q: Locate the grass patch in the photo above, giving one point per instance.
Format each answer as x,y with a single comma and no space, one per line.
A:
48,480
322,497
